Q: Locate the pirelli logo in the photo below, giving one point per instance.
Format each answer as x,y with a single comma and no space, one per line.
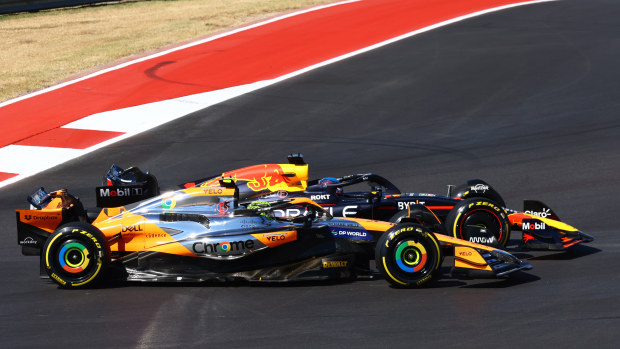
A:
335,264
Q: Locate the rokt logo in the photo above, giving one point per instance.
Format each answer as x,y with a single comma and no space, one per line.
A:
319,197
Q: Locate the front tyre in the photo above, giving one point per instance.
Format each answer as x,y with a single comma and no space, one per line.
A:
76,255
408,255
489,221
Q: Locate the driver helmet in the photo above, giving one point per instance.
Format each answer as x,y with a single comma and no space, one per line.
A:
328,180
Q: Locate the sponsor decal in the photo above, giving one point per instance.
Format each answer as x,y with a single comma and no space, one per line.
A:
248,223
335,264
89,235
533,225
168,203
345,224
544,213
28,241
466,257
319,197
479,187
156,235
57,278
276,238
222,208
347,211
211,191
394,234
131,228
483,239
405,205
223,247
348,233
114,192
282,193
289,212
40,218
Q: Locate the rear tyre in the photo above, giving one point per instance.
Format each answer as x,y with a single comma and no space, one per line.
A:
408,255
483,213
76,255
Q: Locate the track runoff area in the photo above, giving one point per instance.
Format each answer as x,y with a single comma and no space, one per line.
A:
55,125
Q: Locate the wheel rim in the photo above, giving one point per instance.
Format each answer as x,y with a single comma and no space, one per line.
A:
485,219
73,257
411,256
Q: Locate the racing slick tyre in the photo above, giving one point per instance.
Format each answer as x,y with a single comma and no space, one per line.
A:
479,213
76,255
408,255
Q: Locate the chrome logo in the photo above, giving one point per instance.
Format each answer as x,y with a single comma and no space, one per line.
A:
224,246
168,203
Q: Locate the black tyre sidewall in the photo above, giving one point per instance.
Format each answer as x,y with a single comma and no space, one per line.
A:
399,216
455,221
386,255
92,240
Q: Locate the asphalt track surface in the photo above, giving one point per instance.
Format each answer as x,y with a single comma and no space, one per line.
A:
526,99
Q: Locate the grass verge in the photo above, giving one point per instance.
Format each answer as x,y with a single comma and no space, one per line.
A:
42,49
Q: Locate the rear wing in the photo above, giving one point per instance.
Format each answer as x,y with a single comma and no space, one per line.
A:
123,187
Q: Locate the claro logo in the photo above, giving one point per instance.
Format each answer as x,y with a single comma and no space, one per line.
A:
224,247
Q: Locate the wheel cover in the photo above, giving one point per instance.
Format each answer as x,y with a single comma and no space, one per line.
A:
73,257
410,256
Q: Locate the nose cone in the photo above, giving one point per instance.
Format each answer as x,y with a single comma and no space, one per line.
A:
585,237
576,237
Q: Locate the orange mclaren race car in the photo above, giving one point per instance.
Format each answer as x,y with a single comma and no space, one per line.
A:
202,233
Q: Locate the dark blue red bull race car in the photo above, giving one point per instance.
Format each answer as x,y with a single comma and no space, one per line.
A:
474,211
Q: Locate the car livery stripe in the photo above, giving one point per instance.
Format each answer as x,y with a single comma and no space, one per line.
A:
124,101
440,207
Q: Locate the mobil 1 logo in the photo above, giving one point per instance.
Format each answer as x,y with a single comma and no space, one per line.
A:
113,196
